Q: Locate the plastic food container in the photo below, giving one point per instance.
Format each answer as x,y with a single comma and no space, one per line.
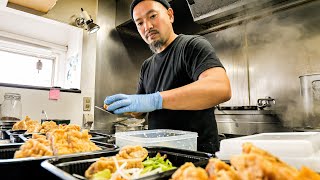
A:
30,168
294,148
72,168
159,137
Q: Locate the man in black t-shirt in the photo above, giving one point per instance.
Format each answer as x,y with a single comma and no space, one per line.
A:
180,83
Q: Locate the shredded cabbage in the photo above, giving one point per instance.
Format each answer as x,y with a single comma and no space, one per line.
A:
152,166
156,162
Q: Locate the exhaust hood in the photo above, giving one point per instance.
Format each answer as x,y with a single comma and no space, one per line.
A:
213,12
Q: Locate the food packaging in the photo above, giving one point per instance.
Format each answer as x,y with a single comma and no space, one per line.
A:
158,137
295,148
72,168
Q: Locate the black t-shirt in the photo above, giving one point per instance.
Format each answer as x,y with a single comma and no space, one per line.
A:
180,64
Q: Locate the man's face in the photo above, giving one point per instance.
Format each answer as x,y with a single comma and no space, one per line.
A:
154,22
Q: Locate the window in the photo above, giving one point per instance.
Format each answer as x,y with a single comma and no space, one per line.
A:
26,70
27,40
30,62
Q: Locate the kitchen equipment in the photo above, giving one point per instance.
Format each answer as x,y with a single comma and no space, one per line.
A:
128,124
11,107
103,109
247,120
295,148
310,94
14,135
158,137
72,168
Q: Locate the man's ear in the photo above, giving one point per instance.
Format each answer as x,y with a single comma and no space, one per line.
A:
170,14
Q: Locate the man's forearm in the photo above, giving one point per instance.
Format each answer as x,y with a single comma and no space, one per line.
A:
202,94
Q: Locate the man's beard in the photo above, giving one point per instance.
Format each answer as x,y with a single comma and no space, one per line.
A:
154,46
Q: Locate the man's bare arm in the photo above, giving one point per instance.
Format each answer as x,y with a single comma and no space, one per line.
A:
211,89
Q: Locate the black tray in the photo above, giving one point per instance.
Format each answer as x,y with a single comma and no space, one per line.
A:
23,168
68,168
14,135
100,137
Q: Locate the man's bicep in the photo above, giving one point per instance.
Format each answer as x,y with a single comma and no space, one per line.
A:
214,72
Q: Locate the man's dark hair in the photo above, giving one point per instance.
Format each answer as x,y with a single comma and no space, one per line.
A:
135,2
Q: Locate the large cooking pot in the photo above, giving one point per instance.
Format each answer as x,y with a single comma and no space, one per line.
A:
310,93
128,124
247,120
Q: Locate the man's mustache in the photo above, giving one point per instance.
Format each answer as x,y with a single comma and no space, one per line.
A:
151,32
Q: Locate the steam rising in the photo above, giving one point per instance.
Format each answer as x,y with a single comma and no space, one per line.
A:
277,49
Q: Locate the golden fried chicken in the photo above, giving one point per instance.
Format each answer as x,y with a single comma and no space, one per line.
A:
189,172
80,141
129,152
34,148
110,163
307,174
253,164
256,163
69,127
48,126
57,142
32,126
20,125
218,169
65,141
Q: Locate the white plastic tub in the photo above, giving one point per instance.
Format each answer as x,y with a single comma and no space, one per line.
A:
294,148
159,137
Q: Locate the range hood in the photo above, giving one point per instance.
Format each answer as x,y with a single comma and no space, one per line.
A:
213,12
204,16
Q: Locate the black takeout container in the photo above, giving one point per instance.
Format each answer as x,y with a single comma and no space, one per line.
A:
69,168
30,168
100,137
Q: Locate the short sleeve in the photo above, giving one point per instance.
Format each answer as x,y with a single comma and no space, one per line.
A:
200,56
140,87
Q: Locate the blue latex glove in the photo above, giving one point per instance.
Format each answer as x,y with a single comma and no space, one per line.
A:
122,103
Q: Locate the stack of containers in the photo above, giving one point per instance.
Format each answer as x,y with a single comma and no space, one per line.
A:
295,148
160,137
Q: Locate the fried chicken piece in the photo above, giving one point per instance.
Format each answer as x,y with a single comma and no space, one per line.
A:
307,174
59,142
33,126
189,172
218,169
65,141
20,125
256,163
129,152
48,126
34,148
110,163
80,141
39,136
69,127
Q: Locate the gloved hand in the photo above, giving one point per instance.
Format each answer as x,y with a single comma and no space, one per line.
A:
122,103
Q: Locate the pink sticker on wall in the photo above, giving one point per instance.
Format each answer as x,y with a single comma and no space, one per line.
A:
54,94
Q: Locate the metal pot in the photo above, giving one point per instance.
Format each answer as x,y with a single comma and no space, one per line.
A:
128,124
247,122
310,93
124,128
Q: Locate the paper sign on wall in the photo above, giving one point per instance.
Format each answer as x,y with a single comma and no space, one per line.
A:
54,94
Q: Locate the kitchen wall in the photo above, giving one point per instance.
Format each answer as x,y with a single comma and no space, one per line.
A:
264,57
70,105
118,62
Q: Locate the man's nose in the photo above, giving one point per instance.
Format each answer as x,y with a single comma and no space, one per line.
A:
148,25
